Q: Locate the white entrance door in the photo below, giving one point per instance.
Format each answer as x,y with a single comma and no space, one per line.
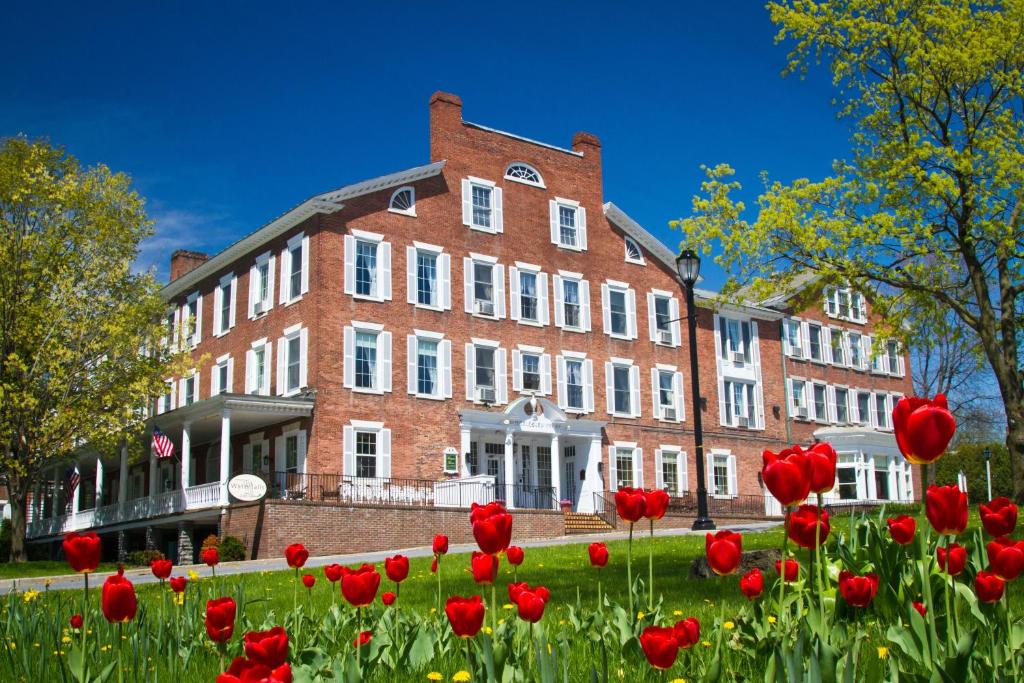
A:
570,479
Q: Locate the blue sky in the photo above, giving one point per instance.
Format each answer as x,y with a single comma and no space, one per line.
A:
227,114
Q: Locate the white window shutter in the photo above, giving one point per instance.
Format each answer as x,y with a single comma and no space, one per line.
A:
348,449
638,468
467,283
269,361
758,384
410,275
498,210
553,220
282,344
517,370
683,468
830,402
199,319
499,290
385,453
350,264
286,262
467,202
446,281
545,374
305,265
252,291
556,287
826,345
411,363
218,297
733,489
581,221
677,390
613,479
234,297
655,394
609,387
659,478
631,312
634,388
279,453
513,292
542,285
585,305
349,369
271,274
588,388
446,368
805,338
652,324
250,367
710,475
722,417
470,371
606,311
673,311
501,376
385,271
303,355
385,365
215,380
560,367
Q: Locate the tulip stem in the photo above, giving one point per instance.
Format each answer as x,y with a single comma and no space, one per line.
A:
629,572
359,641
600,603
1009,636
650,571
782,564
85,621
818,566
950,635
120,647
927,586
494,609
437,559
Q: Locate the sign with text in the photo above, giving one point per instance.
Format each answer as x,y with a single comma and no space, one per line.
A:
247,487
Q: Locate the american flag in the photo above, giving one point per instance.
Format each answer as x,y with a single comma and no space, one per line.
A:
71,478
162,445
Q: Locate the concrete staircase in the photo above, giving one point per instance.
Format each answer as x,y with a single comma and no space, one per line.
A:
583,523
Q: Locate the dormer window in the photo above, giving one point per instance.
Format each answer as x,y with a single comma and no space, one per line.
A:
403,201
633,253
524,173
846,304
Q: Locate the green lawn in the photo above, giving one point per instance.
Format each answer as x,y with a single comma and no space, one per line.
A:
22,570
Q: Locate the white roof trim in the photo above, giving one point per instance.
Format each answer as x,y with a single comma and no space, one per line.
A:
524,139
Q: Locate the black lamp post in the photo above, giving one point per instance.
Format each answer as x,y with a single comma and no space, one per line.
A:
688,266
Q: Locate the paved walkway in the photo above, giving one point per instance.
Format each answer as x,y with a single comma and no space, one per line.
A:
143,575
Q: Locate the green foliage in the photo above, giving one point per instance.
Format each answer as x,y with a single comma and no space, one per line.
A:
231,549
970,459
211,541
142,558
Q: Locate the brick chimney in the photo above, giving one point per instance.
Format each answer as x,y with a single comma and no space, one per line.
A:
183,261
445,123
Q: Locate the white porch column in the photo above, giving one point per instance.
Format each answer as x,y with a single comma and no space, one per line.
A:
55,493
99,483
556,468
225,454
464,448
509,472
122,481
152,473
186,455
76,497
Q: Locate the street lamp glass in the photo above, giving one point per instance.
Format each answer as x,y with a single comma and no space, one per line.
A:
688,265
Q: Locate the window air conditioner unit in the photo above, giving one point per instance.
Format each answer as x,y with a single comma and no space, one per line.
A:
796,352
668,413
485,394
257,309
801,412
665,337
484,307
743,422
738,357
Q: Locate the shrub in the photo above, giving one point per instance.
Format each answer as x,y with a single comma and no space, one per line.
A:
5,540
210,541
970,458
142,558
231,549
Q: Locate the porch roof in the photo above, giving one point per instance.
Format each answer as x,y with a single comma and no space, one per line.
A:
249,412
856,437
550,419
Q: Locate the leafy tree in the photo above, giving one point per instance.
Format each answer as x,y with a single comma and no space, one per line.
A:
926,213
77,365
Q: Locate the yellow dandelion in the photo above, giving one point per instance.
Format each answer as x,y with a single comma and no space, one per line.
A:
65,639
462,676
883,653
728,626
706,643
677,613
433,610
771,619
29,596
508,606
501,621
104,648
639,616
193,575
435,676
678,680
179,598
488,630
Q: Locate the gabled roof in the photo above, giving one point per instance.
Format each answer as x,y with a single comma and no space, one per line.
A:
327,202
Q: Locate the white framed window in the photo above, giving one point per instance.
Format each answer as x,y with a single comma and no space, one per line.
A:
429,365
622,387
736,341
290,451
168,401
531,370
295,269
855,349
224,305
879,359
843,303
192,320
816,349
528,294
841,400
893,358
222,377
403,201
486,379
292,353
428,277
257,367
483,286
667,393
618,305
367,358
625,460
481,205
670,470
575,382
798,398
367,450
837,346
189,391
522,172
568,224
633,252
722,474
663,318
740,402
261,285
792,338
864,407
171,327
572,301
882,411
367,266
819,401
256,454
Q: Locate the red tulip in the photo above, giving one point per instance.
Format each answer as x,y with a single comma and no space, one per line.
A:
492,527
822,459
902,529
388,598
220,619
792,570
923,428
858,591
514,589
787,475
804,521
660,646
988,586
296,554
397,568
655,504
210,556
630,503
1006,558
178,583
269,648
360,586
921,609
308,580
531,604
724,551
243,670
946,508
161,568
362,639
76,621
466,615
485,567
957,558
433,565
687,632
999,517
440,544
515,555
598,554
752,583
332,572
82,551
118,598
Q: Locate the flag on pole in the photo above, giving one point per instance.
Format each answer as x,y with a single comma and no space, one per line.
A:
71,479
162,445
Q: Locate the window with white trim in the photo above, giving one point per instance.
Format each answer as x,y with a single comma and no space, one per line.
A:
224,305
429,359
864,407
739,405
522,172
367,266
366,450
663,318
736,340
626,462
254,452
842,405
572,301
854,344
295,269
814,335
670,470
575,383
622,386
192,320
261,285
837,344
485,372
882,411
798,398
189,388
221,377
618,303
428,277
403,201
792,338
633,252
167,402
257,367
367,358
843,303
528,294
722,475
483,286
171,325
291,360
667,393
481,205
568,222
290,453
531,370
819,395
893,358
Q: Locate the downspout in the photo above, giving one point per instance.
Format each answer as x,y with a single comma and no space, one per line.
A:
785,380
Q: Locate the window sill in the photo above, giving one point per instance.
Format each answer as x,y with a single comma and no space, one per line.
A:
663,345
531,323
429,397
576,330
480,228
531,392
481,316
575,411
425,307
291,302
570,248
623,416
368,297
618,337
635,262
365,390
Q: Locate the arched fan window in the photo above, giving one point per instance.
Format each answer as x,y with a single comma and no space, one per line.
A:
403,201
633,253
524,173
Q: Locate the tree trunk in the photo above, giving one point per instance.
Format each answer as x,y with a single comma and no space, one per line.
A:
18,519
1015,445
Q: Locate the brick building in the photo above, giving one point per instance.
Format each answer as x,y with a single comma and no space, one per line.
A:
485,326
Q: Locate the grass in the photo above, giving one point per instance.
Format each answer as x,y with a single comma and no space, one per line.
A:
24,570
